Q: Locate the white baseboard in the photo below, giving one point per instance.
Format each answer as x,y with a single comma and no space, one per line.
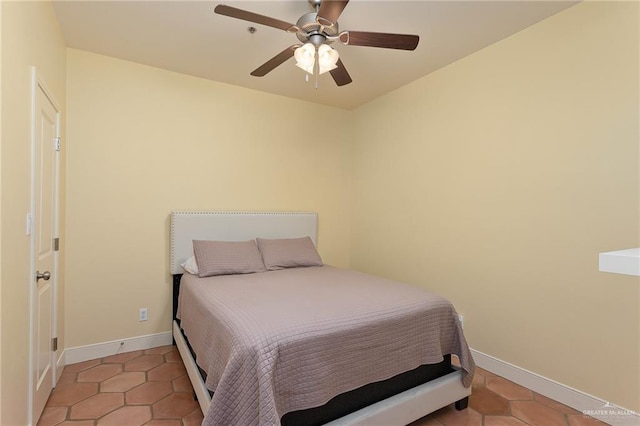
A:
578,400
100,350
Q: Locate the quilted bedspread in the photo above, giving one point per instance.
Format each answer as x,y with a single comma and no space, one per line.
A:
292,339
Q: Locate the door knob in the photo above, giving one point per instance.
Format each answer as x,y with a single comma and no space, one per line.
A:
45,275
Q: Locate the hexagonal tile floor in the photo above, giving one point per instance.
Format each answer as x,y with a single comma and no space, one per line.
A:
496,401
152,388
148,387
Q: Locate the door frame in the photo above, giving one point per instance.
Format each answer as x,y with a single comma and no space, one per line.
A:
37,84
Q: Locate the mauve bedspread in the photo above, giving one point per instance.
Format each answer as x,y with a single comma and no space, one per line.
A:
292,339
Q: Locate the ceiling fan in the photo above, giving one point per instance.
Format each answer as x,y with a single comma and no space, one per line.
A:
317,30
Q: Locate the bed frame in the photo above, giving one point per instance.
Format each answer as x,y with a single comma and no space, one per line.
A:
436,386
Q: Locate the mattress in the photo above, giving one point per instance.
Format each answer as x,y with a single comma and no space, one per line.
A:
292,339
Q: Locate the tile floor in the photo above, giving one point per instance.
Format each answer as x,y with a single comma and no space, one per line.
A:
148,387
496,401
151,388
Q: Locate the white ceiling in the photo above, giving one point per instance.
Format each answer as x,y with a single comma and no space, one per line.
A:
188,37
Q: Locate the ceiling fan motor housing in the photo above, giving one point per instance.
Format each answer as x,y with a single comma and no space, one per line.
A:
313,32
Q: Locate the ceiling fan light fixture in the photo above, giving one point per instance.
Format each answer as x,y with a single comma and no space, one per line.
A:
327,58
305,57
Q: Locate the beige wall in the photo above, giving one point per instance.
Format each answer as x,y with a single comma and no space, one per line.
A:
497,180
30,36
144,142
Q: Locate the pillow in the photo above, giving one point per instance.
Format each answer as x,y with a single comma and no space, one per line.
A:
190,265
227,257
288,253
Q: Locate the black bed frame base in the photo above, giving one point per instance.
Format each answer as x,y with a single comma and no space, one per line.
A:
462,404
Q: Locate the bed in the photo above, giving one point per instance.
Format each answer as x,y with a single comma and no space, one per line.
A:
307,344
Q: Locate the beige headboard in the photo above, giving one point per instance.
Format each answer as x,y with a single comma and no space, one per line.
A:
235,226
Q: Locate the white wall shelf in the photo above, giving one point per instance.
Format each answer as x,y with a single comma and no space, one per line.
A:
621,262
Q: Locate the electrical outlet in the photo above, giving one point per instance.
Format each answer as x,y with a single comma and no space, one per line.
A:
142,314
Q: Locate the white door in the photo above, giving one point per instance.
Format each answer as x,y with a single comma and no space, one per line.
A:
43,239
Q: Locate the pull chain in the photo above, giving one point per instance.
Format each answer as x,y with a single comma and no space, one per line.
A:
316,67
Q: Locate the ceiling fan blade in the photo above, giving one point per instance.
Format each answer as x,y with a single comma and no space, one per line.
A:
385,40
330,11
272,63
233,12
340,74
